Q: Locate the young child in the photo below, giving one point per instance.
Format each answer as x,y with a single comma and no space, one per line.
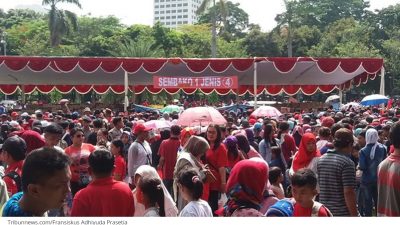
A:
151,195
276,179
304,189
191,188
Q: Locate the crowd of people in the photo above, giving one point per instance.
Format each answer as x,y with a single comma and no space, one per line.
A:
103,163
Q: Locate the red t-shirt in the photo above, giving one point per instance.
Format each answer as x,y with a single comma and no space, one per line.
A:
120,166
104,197
10,183
79,158
169,150
300,211
216,159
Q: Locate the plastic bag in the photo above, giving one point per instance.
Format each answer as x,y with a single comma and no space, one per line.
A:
222,200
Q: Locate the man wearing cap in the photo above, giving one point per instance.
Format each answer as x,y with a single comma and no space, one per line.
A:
87,111
337,177
139,152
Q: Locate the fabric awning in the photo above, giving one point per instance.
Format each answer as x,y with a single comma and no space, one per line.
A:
274,75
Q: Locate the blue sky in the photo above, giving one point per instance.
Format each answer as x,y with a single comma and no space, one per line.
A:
261,12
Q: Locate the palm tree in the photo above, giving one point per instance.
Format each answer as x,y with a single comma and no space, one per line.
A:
224,12
60,20
140,48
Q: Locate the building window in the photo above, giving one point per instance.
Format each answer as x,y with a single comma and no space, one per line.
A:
167,17
185,16
173,11
185,4
156,12
168,23
173,23
168,11
173,17
179,16
185,22
179,10
185,10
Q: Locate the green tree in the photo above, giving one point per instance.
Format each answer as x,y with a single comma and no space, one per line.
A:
97,36
169,40
18,16
230,26
224,12
322,13
60,21
259,44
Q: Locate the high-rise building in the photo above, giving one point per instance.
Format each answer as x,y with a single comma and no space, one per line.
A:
173,13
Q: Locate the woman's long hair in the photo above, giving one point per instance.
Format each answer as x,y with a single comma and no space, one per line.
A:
269,129
218,140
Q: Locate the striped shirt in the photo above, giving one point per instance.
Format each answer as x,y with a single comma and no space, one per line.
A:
335,171
389,187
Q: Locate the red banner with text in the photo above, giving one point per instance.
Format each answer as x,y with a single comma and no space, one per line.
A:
196,82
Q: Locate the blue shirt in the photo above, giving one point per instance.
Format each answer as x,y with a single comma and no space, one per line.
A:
370,167
12,208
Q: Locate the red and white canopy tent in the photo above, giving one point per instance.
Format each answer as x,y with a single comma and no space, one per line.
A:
250,75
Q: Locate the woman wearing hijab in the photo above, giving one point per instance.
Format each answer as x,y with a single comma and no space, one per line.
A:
307,156
190,158
297,134
169,204
244,192
234,155
370,157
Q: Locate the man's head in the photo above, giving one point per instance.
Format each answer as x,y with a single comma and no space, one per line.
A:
14,150
53,134
77,136
101,163
175,131
304,187
118,123
97,123
361,138
394,136
86,121
141,132
343,140
45,178
87,111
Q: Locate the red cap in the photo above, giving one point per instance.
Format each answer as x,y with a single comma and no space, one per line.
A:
14,114
252,121
140,128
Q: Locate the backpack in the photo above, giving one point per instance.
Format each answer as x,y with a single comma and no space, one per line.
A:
16,178
315,209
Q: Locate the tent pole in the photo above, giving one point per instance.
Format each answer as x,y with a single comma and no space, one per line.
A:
255,84
23,97
126,100
341,96
382,87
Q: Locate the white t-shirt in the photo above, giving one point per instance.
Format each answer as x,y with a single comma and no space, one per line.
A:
198,208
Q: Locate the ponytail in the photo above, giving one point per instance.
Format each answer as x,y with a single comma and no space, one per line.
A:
191,180
160,200
152,189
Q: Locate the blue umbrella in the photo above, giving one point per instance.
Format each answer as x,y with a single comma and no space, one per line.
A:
374,100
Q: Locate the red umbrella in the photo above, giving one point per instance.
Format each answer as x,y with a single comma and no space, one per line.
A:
266,111
202,116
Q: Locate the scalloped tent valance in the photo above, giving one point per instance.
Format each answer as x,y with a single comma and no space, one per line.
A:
255,75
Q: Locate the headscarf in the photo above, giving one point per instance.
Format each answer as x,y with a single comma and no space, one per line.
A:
372,137
170,206
186,131
243,191
304,157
